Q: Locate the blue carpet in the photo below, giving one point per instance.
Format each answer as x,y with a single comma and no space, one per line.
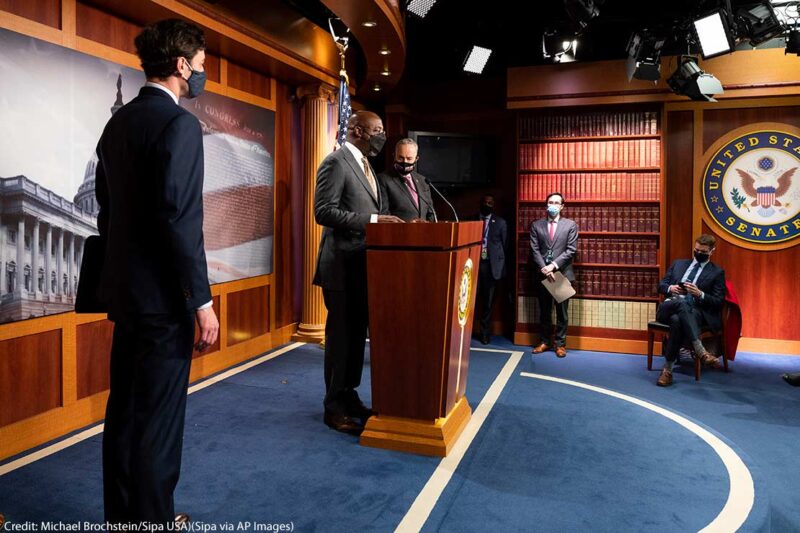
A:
550,457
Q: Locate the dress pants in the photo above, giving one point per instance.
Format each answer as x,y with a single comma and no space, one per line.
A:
486,286
142,442
345,336
546,303
684,321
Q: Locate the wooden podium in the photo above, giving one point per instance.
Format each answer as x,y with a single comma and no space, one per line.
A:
422,283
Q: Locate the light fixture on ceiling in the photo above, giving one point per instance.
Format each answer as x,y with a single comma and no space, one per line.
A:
384,51
420,7
558,46
793,42
376,87
369,23
692,81
476,59
758,23
386,72
582,11
644,56
714,35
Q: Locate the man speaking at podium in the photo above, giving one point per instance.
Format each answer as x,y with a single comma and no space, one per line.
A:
347,198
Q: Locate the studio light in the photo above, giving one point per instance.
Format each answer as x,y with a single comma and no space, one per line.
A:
582,11
476,59
558,46
690,80
420,7
714,34
758,23
793,42
644,57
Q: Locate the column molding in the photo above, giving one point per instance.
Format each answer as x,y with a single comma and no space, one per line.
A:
316,100
48,245
35,257
20,274
60,263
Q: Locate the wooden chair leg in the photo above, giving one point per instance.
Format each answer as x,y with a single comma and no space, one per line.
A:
650,336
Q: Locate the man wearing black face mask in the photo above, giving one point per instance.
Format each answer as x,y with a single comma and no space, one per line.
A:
149,186
695,291
407,194
493,262
347,198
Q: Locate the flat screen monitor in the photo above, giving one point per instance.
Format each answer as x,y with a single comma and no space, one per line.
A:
455,160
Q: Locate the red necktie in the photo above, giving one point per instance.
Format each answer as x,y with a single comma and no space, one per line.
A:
552,229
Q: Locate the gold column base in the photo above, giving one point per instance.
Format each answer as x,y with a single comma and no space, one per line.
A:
434,438
311,333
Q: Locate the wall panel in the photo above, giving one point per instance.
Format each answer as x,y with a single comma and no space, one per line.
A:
679,140
46,12
248,314
93,350
30,375
99,26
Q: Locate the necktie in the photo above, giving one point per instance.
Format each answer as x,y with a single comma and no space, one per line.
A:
690,279
412,189
370,177
552,230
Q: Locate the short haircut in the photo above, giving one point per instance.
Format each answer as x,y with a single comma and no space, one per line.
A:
707,240
407,140
554,194
160,44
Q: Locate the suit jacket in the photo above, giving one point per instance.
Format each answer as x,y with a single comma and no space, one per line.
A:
343,203
398,198
562,248
711,281
496,244
149,185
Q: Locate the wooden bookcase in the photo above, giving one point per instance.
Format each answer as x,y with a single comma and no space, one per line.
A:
608,164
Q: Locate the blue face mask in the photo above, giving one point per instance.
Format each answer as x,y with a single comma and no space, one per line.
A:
553,210
196,81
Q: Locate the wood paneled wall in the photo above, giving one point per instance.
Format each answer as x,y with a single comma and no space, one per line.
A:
54,369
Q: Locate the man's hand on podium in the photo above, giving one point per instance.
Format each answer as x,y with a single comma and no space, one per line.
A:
390,218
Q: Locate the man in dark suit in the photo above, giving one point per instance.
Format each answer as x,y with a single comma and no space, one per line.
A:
154,280
493,261
407,194
695,291
554,240
347,198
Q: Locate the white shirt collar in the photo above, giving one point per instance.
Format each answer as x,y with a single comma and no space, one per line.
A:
356,152
163,88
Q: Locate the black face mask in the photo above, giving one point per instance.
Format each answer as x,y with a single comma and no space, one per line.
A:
486,210
404,168
376,143
701,257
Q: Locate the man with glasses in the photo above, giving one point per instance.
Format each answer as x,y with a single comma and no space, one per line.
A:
554,241
695,291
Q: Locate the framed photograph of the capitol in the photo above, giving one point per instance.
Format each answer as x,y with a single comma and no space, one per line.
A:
54,104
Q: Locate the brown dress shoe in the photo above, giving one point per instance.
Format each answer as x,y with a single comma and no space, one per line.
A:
665,378
541,348
561,351
709,360
343,423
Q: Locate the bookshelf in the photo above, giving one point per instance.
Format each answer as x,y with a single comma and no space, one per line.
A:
608,163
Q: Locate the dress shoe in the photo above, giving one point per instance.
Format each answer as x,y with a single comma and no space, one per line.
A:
182,521
343,423
709,360
541,348
792,379
665,378
355,408
561,351
485,338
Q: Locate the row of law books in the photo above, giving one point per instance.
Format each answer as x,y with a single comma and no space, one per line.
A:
590,281
631,186
632,153
605,251
615,218
615,314
589,124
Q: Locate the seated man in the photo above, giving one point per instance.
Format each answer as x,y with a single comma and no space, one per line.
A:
695,290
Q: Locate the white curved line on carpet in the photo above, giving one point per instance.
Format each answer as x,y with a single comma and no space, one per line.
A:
741,495
420,510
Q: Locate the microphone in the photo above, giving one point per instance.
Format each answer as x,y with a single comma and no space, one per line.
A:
430,205
428,181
